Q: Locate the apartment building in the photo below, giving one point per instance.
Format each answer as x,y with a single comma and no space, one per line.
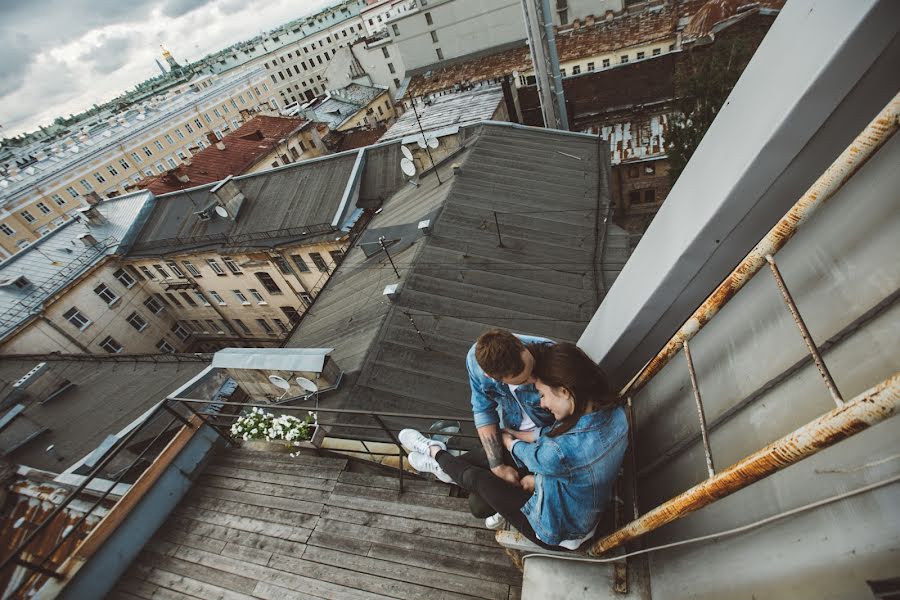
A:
352,106
108,156
69,292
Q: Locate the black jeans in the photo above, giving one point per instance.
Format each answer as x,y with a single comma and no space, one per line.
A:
503,497
478,458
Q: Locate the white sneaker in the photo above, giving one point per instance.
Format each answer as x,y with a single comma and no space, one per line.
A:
424,463
414,441
495,521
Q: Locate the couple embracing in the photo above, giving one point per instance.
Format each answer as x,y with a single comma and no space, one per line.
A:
553,438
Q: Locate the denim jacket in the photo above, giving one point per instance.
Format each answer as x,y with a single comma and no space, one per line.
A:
493,402
574,474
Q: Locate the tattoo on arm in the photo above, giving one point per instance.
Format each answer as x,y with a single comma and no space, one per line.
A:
493,445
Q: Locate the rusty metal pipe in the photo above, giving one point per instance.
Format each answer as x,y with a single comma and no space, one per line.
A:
804,331
700,414
841,170
865,410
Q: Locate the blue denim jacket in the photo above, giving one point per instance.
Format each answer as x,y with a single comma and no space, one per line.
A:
493,403
574,474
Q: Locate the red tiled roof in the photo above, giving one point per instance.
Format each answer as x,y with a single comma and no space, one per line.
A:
714,12
243,148
340,141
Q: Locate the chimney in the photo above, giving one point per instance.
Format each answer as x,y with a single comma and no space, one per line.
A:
425,227
220,145
610,15
92,215
589,20
211,138
88,240
182,176
576,24
92,198
228,196
392,292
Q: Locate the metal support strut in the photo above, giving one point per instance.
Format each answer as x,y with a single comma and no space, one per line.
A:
703,429
399,447
807,337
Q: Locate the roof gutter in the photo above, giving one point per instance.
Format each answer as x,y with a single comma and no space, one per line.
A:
351,191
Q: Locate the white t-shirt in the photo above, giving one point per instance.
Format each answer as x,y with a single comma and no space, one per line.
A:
527,423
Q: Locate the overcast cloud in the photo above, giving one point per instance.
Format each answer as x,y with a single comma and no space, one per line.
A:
59,57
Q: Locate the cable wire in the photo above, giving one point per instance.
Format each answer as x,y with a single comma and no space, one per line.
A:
729,532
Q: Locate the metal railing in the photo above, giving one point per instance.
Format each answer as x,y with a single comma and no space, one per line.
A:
159,425
868,408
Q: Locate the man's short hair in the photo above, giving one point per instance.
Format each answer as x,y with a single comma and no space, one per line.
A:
499,353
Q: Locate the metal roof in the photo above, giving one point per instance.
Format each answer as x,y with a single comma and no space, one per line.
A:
340,105
60,257
448,112
408,354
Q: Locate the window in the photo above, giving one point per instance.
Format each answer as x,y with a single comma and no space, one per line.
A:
291,313
282,265
562,72
136,157
243,326
180,330
188,299
43,208
7,229
74,316
656,51
633,171
173,300
215,296
179,134
634,196
241,297
107,294
29,218
201,298
188,128
434,37
257,296
307,298
215,267
147,151
590,67
124,278
428,19
396,29
319,262
384,50
164,347
284,328
112,171
169,140
99,178
178,272
605,62
649,196
337,256
671,47
265,326
213,326
124,164
172,163
576,70
440,54
86,185
268,282
147,273
111,345
159,145
198,326
59,200
160,169
232,266
198,123
137,321
623,59
153,305
640,55
391,68
207,118
191,268
161,271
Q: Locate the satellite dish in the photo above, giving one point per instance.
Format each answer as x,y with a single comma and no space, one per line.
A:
306,384
407,167
406,152
220,210
421,142
280,382
432,143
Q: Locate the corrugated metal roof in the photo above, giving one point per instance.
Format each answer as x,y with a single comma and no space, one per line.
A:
342,104
60,257
452,110
456,282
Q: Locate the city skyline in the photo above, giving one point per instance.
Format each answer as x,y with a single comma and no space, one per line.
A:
59,60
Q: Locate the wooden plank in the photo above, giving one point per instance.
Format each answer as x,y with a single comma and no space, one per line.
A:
480,588
260,557
350,577
502,571
294,534
515,593
424,513
161,547
195,588
410,541
184,538
427,529
392,483
202,573
295,480
337,542
240,509
407,497
223,535
123,595
288,504
275,577
283,468
261,457
136,587
267,591
269,489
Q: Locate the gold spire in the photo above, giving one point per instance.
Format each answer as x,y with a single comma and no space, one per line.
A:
166,53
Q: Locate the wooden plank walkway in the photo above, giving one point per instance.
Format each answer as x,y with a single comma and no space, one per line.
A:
267,526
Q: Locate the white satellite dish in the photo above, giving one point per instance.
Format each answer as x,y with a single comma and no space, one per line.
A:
220,210
406,152
421,142
281,383
432,143
306,384
407,167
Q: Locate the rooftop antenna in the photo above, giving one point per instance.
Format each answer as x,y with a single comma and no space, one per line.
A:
422,132
388,254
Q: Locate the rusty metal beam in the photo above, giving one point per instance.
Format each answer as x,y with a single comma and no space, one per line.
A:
865,410
841,170
701,415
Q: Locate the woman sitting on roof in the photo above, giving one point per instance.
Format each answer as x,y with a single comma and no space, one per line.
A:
574,462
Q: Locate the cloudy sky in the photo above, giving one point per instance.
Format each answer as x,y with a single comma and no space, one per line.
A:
59,57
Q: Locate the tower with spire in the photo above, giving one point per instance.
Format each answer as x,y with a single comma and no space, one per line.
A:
173,64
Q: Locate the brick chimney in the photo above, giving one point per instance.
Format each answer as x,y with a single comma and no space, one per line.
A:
92,198
589,20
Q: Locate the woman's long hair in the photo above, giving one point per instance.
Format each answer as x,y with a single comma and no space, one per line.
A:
565,365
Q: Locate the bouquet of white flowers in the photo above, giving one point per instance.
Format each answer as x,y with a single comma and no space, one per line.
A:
261,425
